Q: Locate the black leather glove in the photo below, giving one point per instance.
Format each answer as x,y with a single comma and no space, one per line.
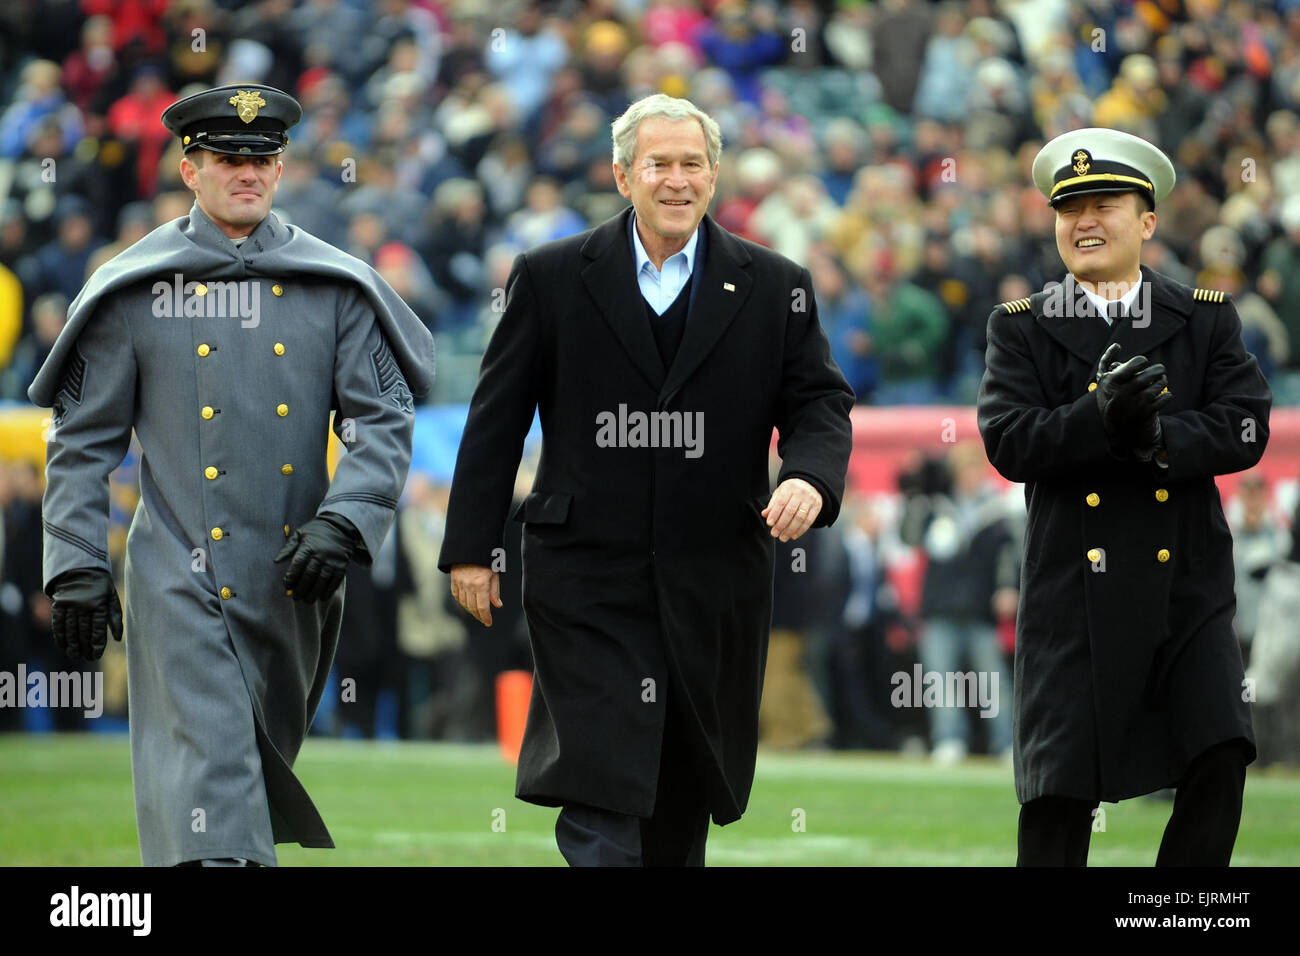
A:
85,607
1149,437
321,550
1128,395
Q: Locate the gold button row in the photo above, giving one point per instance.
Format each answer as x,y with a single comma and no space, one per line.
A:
1094,555
201,289
204,349
1094,499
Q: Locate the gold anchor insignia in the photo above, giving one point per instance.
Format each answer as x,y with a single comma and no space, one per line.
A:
246,104
1082,162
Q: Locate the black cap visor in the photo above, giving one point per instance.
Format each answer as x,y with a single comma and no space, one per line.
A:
237,142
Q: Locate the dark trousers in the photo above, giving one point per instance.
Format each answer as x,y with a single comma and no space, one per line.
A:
673,836
1054,831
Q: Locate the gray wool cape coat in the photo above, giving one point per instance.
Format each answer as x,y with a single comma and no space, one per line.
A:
226,360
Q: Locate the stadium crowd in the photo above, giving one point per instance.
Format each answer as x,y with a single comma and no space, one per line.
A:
886,146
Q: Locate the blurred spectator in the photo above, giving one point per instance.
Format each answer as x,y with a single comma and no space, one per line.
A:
1262,332
87,68
1259,540
431,637
1280,281
543,217
790,714
845,316
794,217
899,39
844,143
455,242
61,263
909,328
971,582
524,52
758,173
134,222
1274,672
267,24
308,199
742,39
49,315
38,96
330,31
948,70
857,666
404,271
136,23
134,119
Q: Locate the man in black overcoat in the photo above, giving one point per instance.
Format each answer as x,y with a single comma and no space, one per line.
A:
1117,396
660,351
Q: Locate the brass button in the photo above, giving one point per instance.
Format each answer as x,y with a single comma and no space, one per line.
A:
1094,555
210,471
200,289
207,411
276,290
282,410
203,350
1092,386
185,141
286,531
1093,500
216,534
1162,555
279,348
1162,495
227,594
1165,389
286,469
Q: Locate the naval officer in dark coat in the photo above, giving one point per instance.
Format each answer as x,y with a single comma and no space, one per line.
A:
224,339
660,351
1116,397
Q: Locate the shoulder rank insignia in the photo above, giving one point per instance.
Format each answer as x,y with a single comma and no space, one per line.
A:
1207,295
1015,305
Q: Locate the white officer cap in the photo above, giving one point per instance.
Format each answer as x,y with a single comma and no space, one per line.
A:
1097,160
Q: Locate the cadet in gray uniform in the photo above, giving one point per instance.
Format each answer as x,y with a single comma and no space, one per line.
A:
224,339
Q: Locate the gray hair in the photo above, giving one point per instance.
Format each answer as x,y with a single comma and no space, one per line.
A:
661,106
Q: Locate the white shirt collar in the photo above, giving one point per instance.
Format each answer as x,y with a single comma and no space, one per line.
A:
1126,299
642,257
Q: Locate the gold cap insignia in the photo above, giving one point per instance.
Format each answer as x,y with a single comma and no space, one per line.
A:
1082,162
246,104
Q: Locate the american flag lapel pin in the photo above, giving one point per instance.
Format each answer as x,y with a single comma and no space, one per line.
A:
728,287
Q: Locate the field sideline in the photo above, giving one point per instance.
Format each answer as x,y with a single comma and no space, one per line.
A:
66,800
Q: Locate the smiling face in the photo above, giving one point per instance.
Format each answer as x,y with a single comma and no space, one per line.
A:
234,191
670,182
1100,235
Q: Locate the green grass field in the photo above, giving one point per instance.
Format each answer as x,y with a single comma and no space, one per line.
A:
66,800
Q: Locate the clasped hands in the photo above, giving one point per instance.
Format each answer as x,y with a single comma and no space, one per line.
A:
1130,396
790,512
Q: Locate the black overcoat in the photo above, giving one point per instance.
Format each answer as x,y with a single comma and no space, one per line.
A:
1126,664
647,571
